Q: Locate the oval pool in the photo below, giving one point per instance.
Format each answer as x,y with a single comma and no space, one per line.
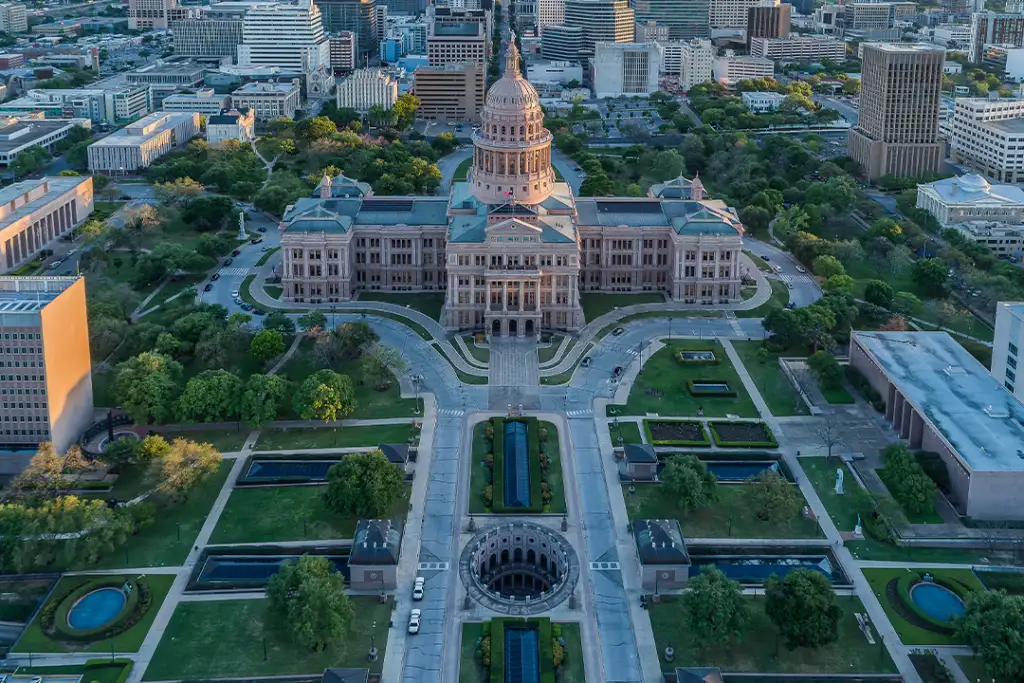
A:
937,601
96,608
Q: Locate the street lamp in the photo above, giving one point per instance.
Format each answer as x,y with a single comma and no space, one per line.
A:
177,527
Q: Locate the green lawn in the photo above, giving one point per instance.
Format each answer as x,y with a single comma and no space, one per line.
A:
157,545
554,477
333,437
735,512
777,391
472,671
464,377
274,291
228,638
572,668
429,304
108,672
480,476
629,431
759,262
664,373
480,353
929,516
1011,582
837,395
779,298
462,170
224,440
266,257
760,650
270,514
566,377
975,671
34,640
470,668
545,354
596,304
908,633
20,597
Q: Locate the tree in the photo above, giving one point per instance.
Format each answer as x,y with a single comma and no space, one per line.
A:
714,609
152,447
689,482
315,128
843,284
993,625
775,497
177,191
878,293
147,387
828,435
382,363
907,481
46,470
325,395
365,485
827,266
898,259
851,86
312,320
886,228
826,368
802,607
354,338
930,275
266,344
139,219
308,597
404,111
120,452
183,467
906,303
896,323
280,322
30,161
262,398
210,213
210,396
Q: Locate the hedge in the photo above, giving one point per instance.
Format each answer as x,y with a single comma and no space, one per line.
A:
679,357
125,664
497,647
705,441
54,615
907,581
723,393
769,443
533,454
544,638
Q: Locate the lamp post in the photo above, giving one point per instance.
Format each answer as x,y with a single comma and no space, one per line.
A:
264,649
304,520
640,348
730,525
177,528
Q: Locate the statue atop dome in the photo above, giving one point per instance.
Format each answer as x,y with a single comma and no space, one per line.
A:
512,58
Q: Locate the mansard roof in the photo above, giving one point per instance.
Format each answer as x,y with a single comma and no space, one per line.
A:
707,217
310,214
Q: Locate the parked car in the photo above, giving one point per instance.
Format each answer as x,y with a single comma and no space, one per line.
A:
617,372
766,258
215,276
267,247
801,269
259,311
208,287
617,331
414,621
791,305
236,252
228,261
417,588
234,293
261,229
256,240
238,301
778,269
72,252
586,362
246,307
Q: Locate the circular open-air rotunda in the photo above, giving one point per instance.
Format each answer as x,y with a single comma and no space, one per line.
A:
519,568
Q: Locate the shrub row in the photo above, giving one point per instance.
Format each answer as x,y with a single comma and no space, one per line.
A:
860,383
545,654
123,662
907,581
768,442
729,392
704,440
53,618
684,361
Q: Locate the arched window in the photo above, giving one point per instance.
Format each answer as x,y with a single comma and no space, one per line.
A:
522,130
531,556
517,555
504,556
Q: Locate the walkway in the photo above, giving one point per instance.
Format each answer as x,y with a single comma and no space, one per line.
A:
514,362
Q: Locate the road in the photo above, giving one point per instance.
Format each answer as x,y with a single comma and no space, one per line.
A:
803,289
847,110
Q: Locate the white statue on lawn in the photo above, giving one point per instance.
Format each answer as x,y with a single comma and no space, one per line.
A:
839,481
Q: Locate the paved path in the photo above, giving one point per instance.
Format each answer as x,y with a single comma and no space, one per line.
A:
514,362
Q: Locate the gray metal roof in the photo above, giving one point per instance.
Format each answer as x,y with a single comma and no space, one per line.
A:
640,452
660,541
376,541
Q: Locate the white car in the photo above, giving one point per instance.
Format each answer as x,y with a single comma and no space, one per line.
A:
778,269
801,269
417,588
55,265
414,621
234,293
72,252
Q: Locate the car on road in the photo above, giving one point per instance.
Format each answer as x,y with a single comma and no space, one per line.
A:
125,198
256,240
585,363
215,276
617,372
617,331
246,307
238,301
417,588
791,305
266,247
228,261
765,257
72,252
414,621
55,265
259,311
236,252
778,269
801,269
234,293
208,287
261,229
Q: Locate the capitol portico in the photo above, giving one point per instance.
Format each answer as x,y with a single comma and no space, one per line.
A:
512,248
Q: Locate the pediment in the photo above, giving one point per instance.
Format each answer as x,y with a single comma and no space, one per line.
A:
510,229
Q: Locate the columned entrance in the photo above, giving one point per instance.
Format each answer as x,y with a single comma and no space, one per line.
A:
513,327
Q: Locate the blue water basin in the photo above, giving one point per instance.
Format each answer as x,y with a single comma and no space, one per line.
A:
698,355
315,470
710,386
234,568
739,470
746,569
97,608
937,601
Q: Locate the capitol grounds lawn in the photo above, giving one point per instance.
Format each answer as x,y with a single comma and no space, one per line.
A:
157,545
370,403
760,650
271,514
286,439
472,671
910,634
735,501
664,373
478,479
629,431
429,304
596,304
34,640
105,673
566,376
779,299
224,440
777,391
974,669
225,638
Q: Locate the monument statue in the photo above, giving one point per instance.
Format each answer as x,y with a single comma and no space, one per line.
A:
839,481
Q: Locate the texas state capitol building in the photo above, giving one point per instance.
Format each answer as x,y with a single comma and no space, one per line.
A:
511,248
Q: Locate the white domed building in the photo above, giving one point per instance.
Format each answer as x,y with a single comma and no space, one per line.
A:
512,247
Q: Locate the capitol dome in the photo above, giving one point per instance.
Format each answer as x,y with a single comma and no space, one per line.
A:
511,148
974,183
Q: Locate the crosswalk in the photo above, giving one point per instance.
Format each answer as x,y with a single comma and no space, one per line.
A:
580,413
734,324
795,279
234,271
450,412
432,566
605,566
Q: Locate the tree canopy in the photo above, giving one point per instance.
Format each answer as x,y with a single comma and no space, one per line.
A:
688,480
714,609
803,608
307,597
364,484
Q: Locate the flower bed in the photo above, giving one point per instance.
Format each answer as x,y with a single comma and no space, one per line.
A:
694,386
54,615
676,433
742,435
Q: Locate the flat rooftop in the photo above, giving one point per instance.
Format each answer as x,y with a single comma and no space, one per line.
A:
264,88
27,131
1011,126
964,403
902,47
30,294
144,129
56,186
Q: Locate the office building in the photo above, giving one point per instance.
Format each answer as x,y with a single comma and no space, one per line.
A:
511,266
768,19
46,373
561,73
147,15
457,42
35,213
940,399
869,17
203,101
343,52
105,102
952,35
366,88
1006,348
12,60
229,125
626,69
651,31
897,131
452,92
696,64
139,144
18,134
13,18
268,101
732,68
729,16
803,49
684,18
286,36
562,43
986,135
602,21
165,78
763,102
357,16
206,37
971,198
550,13
829,19
996,29
1005,60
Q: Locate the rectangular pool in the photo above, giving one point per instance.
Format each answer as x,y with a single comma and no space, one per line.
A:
697,355
710,386
739,470
314,470
755,569
516,466
522,655
254,568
